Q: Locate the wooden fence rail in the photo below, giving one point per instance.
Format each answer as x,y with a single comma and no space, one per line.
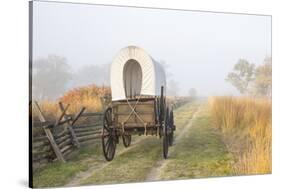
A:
53,146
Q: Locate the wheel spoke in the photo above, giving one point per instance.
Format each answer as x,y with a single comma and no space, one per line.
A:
106,128
108,143
107,150
107,121
106,135
111,148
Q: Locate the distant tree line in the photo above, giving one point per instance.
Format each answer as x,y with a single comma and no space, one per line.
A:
249,79
52,76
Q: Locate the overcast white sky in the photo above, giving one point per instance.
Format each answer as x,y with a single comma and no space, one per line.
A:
199,47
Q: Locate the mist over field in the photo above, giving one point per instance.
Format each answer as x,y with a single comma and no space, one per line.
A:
215,118
74,45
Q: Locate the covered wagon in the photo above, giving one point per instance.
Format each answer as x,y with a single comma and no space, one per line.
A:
138,106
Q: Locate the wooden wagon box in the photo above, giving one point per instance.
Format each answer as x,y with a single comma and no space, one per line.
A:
135,113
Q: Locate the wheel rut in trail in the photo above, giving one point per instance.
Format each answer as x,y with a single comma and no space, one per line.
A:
84,175
154,174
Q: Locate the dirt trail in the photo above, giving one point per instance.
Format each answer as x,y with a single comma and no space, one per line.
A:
83,175
154,174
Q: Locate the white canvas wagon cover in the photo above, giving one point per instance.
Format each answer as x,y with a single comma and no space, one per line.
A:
135,73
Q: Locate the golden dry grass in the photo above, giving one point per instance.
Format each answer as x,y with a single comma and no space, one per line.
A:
90,97
246,127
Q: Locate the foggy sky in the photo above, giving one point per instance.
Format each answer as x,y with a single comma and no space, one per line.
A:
200,48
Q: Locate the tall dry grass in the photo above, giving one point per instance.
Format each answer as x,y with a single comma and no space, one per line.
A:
90,97
246,127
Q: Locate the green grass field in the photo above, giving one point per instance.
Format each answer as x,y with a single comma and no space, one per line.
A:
198,152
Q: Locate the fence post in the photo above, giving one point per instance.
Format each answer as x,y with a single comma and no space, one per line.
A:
69,126
49,135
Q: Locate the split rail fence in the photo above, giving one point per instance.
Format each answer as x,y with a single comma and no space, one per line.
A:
62,136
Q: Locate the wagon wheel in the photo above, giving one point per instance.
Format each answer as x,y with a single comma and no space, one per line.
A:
171,121
108,135
161,106
165,135
127,140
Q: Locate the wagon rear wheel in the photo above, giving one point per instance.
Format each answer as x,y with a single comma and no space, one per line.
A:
171,124
127,140
108,136
165,135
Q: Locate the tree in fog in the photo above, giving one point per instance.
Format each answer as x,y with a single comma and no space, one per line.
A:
192,92
242,75
172,85
92,74
172,88
50,77
263,78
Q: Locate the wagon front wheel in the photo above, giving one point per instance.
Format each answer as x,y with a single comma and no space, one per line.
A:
108,136
127,140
